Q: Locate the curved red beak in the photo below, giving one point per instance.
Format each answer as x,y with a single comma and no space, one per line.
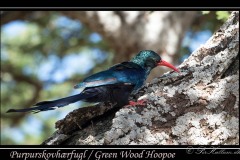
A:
164,63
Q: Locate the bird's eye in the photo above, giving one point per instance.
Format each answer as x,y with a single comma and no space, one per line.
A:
155,61
150,63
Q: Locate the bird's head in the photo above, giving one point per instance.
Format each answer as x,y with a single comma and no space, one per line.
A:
149,59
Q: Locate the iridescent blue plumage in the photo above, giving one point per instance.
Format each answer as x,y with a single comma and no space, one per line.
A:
114,84
125,73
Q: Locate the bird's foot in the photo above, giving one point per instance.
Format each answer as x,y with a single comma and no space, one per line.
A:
141,102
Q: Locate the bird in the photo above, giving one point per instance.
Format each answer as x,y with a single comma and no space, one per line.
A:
114,84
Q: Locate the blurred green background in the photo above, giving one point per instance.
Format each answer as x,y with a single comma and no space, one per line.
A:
45,53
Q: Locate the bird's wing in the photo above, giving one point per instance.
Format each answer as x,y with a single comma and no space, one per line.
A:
125,65
108,77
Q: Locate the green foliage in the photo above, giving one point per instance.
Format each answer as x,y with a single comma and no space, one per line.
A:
22,55
220,15
205,12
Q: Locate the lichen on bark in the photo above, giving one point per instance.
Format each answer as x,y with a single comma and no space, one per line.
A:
197,106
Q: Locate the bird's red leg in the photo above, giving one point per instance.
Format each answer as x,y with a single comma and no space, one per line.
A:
138,103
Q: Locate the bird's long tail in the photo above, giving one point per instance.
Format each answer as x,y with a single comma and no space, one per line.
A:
51,105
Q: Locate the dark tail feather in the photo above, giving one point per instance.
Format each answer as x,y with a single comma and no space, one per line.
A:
51,105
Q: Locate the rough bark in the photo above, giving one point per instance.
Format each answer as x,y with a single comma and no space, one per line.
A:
198,106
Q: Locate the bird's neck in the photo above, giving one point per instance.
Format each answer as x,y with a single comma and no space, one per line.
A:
148,70
138,61
142,64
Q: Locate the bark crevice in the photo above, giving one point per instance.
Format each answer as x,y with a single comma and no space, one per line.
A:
199,106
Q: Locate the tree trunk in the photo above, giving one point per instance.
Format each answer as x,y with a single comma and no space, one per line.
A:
198,106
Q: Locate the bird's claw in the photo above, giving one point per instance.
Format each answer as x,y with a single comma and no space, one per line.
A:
138,103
